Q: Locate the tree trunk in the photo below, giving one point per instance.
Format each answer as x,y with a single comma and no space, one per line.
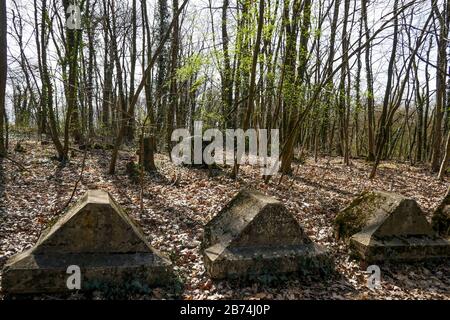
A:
292,92
133,56
90,68
148,158
47,89
252,88
72,124
445,161
370,93
3,74
382,126
227,83
443,18
343,101
173,78
147,71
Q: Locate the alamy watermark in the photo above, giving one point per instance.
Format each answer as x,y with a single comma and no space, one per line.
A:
374,279
73,21
191,149
73,281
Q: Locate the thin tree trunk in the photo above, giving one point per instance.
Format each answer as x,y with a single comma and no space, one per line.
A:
173,106
47,89
445,161
370,93
133,56
120,135
72,124
443,19
3,75
251,94
227,83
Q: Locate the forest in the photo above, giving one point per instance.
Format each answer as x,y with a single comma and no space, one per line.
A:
347,97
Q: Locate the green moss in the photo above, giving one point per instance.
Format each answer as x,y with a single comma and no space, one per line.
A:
353,219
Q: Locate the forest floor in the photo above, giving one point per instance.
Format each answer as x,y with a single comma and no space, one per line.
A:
176,209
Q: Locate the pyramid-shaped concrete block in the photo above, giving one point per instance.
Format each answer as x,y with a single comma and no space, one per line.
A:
97,236
386,226
255,234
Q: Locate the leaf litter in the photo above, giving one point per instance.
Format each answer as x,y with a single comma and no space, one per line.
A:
174,213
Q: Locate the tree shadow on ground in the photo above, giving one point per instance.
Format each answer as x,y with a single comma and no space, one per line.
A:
305,287
2,200
429,276
121,182
2,187
317,185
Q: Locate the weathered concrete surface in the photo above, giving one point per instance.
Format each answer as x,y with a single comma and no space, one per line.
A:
255,234
385,226
441,217
382,214
100,238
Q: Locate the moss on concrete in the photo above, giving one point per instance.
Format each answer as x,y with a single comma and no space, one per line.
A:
354,217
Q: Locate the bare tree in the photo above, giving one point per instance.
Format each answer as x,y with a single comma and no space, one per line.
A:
3,75
444,20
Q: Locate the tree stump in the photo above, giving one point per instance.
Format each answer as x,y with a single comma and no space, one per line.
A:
148,153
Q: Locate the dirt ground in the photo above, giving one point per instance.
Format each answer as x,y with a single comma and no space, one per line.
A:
179,201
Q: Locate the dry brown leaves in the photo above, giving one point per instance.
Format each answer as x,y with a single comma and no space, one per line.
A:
174,215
